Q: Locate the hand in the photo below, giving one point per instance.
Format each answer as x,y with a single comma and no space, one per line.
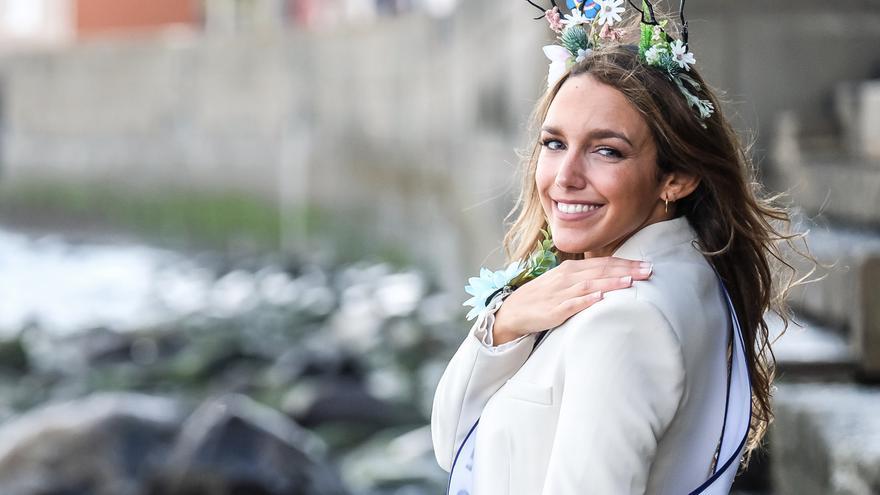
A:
552,298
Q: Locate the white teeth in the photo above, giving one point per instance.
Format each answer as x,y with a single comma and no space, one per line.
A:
567,208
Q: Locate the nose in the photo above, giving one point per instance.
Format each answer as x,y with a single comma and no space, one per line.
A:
570,174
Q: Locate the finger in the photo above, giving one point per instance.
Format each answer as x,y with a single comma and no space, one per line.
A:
605,261
636,270
576,304
602,284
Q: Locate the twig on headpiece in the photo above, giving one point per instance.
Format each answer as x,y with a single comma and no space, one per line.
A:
542,9
684,24
648,16
635,6
653,18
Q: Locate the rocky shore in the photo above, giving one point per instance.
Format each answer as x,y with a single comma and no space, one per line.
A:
284,378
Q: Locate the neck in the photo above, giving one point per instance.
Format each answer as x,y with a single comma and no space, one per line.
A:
660,216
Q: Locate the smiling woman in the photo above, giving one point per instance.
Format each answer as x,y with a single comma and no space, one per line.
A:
587,379
593,136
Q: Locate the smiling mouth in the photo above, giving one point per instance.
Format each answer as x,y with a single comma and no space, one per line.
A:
576,208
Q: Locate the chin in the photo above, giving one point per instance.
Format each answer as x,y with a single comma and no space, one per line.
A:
572,246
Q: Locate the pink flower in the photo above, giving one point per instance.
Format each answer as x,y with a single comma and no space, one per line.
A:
610,33
554,19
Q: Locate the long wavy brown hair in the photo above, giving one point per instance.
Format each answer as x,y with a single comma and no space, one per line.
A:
745,233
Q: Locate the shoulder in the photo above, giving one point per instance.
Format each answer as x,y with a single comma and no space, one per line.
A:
685,289
624,323
625,350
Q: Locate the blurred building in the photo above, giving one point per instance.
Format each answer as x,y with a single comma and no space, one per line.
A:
35,22
51,22
25,23
93,17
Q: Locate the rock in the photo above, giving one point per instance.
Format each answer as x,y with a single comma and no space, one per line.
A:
233,293
105,444
392,459
848,297
342,400
399,294
103,347
826,440
13,356
233,445
857,105
314,355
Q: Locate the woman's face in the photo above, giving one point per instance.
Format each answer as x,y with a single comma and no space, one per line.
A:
597,173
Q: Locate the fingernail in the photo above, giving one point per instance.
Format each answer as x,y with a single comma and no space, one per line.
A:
596,295
627,279
647,271
646,264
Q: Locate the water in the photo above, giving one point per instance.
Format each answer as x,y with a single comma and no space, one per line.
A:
63,288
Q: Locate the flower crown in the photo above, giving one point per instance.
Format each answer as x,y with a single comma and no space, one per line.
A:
590,25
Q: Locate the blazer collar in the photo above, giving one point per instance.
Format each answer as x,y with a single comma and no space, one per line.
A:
656,237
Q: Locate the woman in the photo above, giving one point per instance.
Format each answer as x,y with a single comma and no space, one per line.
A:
655,383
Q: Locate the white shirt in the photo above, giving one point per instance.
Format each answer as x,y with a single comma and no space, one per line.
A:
626,396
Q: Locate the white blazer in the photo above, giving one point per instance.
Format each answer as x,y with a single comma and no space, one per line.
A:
625,397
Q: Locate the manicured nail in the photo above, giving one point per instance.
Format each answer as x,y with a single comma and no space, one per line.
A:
646,264
596,295
626,280
647,271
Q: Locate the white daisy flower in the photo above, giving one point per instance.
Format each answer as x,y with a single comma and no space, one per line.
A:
577,17
652,55
680,54
583,54
609,11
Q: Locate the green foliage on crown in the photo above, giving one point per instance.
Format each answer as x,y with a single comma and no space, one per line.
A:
645,40
574,38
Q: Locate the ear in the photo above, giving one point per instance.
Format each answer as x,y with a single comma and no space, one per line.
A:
678,185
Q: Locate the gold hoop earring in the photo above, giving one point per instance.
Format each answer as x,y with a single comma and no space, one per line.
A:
666,205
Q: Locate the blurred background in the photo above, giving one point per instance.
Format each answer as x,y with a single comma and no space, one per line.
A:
234,233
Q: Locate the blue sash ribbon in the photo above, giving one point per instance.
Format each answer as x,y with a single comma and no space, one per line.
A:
734,430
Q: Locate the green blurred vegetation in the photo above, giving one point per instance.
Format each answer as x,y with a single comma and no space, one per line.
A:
183,218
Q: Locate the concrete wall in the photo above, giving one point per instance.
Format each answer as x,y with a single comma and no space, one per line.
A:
785,55
424,114
403,123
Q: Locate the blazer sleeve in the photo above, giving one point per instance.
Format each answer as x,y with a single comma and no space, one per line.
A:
624,380
476,371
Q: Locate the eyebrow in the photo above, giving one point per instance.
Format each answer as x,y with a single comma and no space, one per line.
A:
594,134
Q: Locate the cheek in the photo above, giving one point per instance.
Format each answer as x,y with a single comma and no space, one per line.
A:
613,182
628,189
545,175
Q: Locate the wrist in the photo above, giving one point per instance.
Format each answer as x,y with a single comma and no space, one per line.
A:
501,332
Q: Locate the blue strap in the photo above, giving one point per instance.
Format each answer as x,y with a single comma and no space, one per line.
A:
735,429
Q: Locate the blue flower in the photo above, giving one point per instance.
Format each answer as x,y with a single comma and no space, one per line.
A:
487,283
590,9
